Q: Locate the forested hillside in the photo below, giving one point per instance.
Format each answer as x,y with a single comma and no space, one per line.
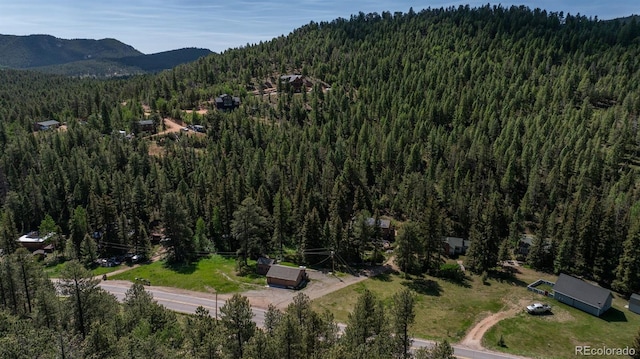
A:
482,123
87,58
43,50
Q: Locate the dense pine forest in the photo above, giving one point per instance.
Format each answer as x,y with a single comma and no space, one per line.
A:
482,123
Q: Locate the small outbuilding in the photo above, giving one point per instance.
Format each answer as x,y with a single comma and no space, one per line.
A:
286,277
634,303
582,295
264,264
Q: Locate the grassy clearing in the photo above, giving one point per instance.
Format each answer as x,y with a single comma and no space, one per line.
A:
444,310
55,270
557,335
208,274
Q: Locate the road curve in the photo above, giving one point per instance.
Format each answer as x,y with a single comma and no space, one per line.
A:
185,303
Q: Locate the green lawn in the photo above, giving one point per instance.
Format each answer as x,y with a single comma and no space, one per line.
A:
444,310
208,274
557,335
54,271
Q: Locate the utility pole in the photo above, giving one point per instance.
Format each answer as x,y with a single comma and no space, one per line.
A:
333,263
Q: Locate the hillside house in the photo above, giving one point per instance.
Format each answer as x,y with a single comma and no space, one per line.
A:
455,246
286,277
634,303
386,228
296,82
33,241
227,102
579,294
146,126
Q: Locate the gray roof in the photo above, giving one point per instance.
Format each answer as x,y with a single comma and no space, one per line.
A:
582,291
382,223
635,299
265,260
284,272
291,78
49,123
145,122
454,241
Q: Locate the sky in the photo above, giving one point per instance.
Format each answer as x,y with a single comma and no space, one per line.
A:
153,26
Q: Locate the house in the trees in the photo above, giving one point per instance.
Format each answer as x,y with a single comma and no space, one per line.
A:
227,102
579,294
634,303
454,246
33,241
525,243
264,264
386,228
286,277
146,126
296,82
47,125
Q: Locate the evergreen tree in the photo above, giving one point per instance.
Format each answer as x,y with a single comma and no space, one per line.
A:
179,243
8,232
485,238
237,322
281,220
628,271
250,228
402,317
366,332
408,247
78,284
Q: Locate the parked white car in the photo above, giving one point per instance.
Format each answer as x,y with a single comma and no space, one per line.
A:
538,308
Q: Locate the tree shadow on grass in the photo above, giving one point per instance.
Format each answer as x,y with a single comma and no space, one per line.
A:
182,268
424,286
462,282
383,277
614,315
508,276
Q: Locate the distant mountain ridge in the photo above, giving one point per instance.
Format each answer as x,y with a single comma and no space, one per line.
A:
86,57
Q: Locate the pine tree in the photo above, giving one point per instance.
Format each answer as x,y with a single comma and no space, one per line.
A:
407,247
78,284
402,317
8,232
237,321
484,236
250,228
281,220
366,330
628,271
179,244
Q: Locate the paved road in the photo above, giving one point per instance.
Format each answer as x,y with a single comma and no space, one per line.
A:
187,304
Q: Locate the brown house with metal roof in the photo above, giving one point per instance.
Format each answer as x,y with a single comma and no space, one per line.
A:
286,277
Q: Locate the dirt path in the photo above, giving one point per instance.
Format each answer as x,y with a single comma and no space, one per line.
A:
473,339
